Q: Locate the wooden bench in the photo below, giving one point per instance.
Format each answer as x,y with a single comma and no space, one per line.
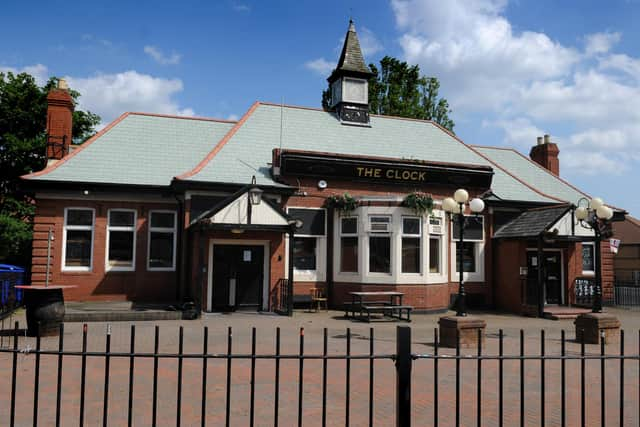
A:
395,311
353,307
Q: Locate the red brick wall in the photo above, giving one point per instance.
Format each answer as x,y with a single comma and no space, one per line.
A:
421,297
59,121
98,285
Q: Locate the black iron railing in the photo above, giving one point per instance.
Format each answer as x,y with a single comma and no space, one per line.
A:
509,386
282,297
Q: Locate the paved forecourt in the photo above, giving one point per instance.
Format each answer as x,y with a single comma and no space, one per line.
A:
337,400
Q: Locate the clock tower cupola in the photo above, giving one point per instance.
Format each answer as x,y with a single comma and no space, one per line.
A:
349,83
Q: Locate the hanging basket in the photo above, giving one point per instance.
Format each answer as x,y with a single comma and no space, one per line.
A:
344,204
421,203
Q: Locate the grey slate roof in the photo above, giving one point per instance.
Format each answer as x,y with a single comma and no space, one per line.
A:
248,150
532,173
531,223
351,58
140,149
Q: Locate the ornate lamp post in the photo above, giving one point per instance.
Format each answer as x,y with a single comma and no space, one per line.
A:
455,207
596,326
595,216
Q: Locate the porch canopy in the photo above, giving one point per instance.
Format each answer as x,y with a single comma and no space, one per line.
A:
237,213
548,223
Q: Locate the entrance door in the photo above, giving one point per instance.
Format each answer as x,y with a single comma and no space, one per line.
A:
551,276
238,274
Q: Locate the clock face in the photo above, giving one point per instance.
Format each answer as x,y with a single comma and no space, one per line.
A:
356,90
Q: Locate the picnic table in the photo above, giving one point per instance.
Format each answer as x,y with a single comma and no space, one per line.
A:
364,303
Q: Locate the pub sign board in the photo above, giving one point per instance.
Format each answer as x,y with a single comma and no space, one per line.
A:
382,171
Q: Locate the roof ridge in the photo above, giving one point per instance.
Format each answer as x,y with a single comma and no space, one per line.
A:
491,147
173,116
454,136
49,169
220,144
551,174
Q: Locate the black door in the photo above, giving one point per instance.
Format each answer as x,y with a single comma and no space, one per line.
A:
238,274
551,276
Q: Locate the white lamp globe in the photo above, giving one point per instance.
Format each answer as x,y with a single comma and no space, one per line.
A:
449,205
461,196
595,203
582,213
602,212
476,205
609,213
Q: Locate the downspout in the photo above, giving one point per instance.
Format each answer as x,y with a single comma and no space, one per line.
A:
180,296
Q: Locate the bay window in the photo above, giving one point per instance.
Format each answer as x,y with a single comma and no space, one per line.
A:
162,241
411,236
349,244
78,239
472,249
309,244
121,239
380,244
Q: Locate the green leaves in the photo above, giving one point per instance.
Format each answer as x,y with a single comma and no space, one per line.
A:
23,117
344,203
421,203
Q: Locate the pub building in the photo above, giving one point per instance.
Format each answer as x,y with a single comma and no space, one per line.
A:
158,208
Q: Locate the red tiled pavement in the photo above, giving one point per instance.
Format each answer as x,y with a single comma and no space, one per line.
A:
358,400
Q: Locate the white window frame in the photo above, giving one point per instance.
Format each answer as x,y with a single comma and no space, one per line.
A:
66,227
338,245
420,237
441,276
392,245
132,229
320,273
478,252
589,272
173,230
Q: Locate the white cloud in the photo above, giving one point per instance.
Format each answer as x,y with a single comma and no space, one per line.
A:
241,7
110,95
320,66
157,54
600,42
369,43
524,82
39,72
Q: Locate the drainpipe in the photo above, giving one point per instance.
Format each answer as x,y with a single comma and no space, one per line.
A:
179,252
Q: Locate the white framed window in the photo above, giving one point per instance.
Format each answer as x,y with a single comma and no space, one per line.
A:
309,244
436,248
472,250
588,258
161,248
380,227
77,246
121,240
411,258
349,244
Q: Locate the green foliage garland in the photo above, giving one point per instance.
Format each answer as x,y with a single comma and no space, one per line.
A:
419,202
343,204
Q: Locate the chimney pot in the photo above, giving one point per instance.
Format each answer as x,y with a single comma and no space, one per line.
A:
62,84
539,139
547,139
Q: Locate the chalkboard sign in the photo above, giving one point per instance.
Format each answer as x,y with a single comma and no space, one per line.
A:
585,288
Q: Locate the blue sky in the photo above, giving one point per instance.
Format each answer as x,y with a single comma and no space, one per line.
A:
511,70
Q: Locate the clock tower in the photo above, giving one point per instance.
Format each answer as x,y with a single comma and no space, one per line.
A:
349,83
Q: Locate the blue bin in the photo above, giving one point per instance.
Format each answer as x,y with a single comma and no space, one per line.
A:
10,297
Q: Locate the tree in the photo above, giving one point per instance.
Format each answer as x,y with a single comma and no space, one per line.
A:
398,89
23,115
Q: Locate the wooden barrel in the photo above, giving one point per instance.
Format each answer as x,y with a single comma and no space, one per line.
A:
45,311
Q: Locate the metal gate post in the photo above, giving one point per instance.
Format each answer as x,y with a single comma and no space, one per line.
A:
403,376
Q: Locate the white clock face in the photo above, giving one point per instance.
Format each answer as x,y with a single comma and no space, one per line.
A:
356,90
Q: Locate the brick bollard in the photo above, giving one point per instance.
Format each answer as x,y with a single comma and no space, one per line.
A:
466,328
589,326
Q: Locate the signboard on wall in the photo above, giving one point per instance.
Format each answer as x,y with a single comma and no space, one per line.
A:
369,170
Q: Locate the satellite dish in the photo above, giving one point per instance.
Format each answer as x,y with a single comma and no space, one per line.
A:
322,184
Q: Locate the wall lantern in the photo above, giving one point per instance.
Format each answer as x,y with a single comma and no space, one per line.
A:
255,194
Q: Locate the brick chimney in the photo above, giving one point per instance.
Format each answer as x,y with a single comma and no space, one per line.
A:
59,121
545,153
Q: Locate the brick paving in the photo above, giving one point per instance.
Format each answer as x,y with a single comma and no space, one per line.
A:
337,400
